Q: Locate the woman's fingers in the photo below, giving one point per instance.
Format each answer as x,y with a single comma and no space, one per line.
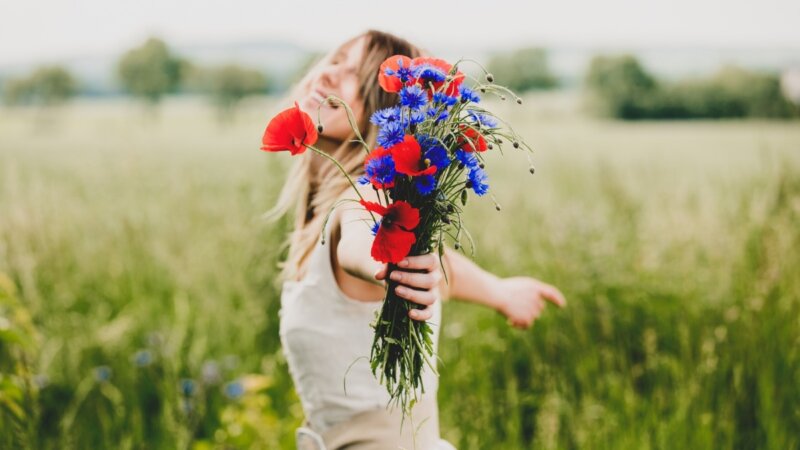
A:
552,294
381,273
418,280
420,314
421,297
428,261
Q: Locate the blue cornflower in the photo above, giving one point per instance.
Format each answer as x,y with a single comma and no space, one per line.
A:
434,151
478,178
387,115
483,119
234,389
442,114
403,73
441,97
375,227
380,170
143,358
425,184
363,179
429,73
413,97
102,373
416,117
467,158
187,387
468,95
391,134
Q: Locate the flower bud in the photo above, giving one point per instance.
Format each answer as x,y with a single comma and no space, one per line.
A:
515,144
427,162
319,128
519,101
468,184
531,169
464,197
461,166
446,219
489,77
497,207
482,165
457,245
489,146
502,97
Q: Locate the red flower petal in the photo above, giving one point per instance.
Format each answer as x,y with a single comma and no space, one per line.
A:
392,83
458,77
395,236
472,140
292,130
392,244
403,215
374,207
407,156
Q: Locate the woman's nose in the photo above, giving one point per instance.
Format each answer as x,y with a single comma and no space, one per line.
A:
329,76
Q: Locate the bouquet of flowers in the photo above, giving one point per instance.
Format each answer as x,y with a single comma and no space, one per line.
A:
429,156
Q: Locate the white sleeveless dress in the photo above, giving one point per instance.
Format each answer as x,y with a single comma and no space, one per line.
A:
326,338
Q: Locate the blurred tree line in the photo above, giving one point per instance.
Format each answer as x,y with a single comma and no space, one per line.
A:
618,86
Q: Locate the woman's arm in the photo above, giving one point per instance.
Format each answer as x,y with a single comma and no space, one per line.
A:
520,299
354,257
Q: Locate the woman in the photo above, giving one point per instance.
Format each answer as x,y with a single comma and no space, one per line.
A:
332,287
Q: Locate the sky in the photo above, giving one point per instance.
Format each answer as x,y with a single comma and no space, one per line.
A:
52,30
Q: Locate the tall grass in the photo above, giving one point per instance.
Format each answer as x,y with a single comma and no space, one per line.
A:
136,250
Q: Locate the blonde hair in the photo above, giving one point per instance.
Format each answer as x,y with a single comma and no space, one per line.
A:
312,197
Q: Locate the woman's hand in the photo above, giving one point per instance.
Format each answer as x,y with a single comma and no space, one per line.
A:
521,299
428,283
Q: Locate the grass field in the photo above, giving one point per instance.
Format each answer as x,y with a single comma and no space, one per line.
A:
137,293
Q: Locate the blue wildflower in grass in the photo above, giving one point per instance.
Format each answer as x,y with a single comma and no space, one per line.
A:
384,116
187,387
391,134
468,95
425,184
428,73
413,97
142,358
442,98
102,373
433,150
478,180
484,120
467,158
234,390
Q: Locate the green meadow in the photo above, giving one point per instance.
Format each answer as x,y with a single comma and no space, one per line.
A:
139,305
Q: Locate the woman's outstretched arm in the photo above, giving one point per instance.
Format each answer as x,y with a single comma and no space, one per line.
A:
520,299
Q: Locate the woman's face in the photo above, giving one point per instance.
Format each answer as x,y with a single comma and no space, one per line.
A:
340,78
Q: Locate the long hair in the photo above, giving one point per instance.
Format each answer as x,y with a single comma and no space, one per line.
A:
312,196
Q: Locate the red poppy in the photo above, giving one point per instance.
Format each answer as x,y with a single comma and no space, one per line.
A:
444,66
471,140
393,83
395,236
408,159
291,130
